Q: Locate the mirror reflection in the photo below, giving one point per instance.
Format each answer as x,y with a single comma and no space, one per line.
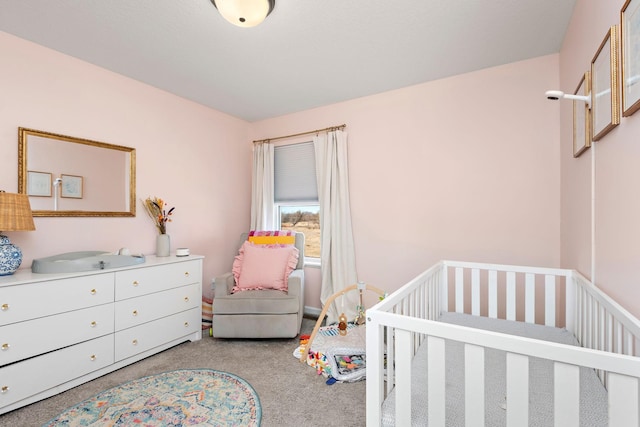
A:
68,176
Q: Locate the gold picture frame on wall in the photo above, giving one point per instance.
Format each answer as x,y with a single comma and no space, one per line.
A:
100,177
605,111
630,56
582,117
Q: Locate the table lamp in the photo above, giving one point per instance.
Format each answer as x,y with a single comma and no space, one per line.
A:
15,215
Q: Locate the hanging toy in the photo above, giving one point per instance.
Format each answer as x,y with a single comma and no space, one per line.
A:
360,307
342,324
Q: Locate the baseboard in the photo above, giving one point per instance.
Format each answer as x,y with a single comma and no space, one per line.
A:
312,312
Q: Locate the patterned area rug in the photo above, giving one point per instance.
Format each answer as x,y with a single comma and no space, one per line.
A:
202,397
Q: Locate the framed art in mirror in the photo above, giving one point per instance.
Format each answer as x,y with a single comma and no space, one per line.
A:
85,177
38,184
605,111
630,47
71,186
582,117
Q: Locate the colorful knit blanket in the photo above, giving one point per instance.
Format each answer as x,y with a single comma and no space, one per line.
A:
278,237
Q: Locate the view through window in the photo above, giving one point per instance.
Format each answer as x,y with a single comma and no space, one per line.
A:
304,219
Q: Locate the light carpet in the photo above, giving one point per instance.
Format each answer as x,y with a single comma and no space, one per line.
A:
203,397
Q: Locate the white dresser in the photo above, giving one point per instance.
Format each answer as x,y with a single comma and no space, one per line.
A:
60,330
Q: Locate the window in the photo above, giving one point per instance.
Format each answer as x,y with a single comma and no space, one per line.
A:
296,193
306,220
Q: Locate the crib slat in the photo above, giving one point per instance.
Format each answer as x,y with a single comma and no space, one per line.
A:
432,299
601,322
475,292
474,386
444,289
566,395
610,320
581,310
550,300
391,357
435,383
517,390
459,290
530,298
403,377
511,295
375,372
623,400
589,327
628,343
618,337
571,305
493,294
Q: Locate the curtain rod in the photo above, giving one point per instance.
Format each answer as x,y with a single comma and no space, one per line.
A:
329,129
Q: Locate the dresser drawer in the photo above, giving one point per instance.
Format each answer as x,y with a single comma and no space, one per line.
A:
28,378
26,339
40,299
142,281
132,341
135,311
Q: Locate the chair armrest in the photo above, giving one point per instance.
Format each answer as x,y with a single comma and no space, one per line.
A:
296,283
223,285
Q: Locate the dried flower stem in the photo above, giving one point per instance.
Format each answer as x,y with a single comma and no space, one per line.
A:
155,207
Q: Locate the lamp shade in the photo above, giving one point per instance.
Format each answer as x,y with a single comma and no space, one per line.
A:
244,13
15,212
15,215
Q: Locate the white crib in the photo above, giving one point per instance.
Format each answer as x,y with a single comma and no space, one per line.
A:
607,335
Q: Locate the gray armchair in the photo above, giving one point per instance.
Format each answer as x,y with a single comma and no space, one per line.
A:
260,313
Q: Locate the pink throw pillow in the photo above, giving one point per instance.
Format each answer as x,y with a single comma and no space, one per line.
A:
263,267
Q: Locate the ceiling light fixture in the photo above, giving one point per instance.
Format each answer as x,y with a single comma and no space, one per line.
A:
244,13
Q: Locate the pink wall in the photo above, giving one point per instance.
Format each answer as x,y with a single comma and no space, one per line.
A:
186,153
461,168
616,174
477,166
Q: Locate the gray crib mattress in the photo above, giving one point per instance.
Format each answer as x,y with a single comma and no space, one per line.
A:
593,396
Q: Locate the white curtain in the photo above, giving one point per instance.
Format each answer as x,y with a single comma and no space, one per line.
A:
262,187
337,248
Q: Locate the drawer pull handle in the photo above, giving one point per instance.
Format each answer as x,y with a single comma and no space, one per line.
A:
93,357
4,389
93,292
4,307
94,324
186,274
186,299
186,324
135,283
5,346
134,342
135,312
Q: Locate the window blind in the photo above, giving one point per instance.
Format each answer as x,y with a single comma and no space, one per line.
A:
295,173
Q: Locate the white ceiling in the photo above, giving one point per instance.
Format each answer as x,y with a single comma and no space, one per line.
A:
308,53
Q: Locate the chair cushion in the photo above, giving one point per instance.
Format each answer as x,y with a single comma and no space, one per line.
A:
263,267
257,302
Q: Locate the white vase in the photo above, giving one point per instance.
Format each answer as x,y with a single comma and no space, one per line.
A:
163,245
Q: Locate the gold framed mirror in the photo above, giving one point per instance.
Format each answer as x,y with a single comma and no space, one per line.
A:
69,176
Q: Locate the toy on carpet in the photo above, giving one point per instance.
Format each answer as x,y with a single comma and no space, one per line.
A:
343,325
339,349
338,358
